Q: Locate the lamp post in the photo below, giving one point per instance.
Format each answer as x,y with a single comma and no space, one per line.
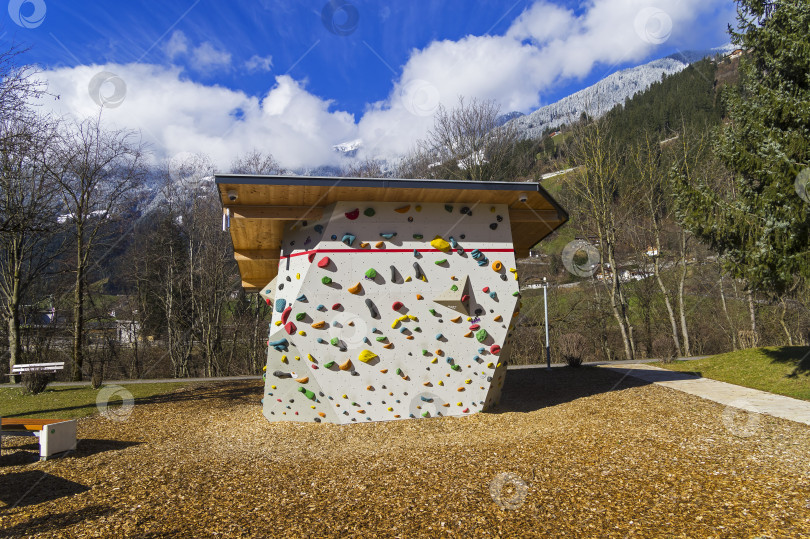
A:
545,308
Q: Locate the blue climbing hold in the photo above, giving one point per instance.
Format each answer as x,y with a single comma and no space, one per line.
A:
492,294
453,242
320,308
439,336
280,304
302,297
319,229
348,239
387,235
279,345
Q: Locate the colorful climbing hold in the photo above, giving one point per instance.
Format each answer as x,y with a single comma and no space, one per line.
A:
319,324
355,289
345,366
388,235
497,266
323,262
366,356
397,305
348,239
440,262
439,243
371,273
448,208
403,209
280,304
495,349
326,280
379,244
369,212
336,306
300,316
352,215
289,328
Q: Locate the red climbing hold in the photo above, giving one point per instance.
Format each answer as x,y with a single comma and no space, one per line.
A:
486,289
397,305
323,262
352,215
267,300
465,410
465,297
286,314
495,349
311,256
289,328
336,306
474,327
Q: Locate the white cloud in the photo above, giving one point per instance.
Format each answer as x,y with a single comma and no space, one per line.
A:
546,44
259,63
176,115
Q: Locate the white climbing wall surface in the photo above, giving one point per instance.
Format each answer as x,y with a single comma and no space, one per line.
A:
387,311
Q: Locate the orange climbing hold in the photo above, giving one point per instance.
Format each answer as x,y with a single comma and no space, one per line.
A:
456,320
383,371
427,384
364,245
498,318
468,334
321,414
389,345
497,266
379,244
302,380
419,296
346,366
319,324
355,289
403,209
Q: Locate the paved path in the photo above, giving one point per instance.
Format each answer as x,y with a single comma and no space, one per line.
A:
152,381
752,400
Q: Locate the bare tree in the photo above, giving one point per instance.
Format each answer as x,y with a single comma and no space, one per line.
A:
465,143
256,162
27,197
96,170
595,183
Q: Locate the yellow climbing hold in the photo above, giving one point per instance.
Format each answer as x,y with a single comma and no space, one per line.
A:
284,359
366,356
459,404
468,381
408,279
278,322
302,333
356,288
441,383
390,409
418,208
319,324
439,243
403,209
434,360
298,358
272,387
490,365
309,357
297,275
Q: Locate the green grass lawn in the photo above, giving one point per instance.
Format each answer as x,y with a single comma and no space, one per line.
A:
784,370
68,402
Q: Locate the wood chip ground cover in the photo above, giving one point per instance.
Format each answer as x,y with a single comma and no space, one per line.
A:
576,453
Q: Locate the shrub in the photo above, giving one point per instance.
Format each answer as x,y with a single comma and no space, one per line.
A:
664,349
572,349
35,382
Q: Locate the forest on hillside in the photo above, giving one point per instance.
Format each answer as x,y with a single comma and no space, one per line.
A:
689,229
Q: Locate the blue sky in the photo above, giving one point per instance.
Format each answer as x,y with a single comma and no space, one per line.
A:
293,78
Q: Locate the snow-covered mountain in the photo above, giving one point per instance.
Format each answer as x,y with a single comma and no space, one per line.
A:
598,99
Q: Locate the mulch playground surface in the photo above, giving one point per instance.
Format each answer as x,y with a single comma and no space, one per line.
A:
576,453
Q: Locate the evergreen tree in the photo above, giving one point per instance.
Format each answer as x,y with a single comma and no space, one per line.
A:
762,226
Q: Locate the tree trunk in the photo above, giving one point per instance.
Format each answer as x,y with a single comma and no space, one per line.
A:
751,310
14,346
731,326
78,311
782,321
618,305
673,324
681,307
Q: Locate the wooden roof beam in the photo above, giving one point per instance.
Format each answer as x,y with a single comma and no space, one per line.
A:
534,216
277,213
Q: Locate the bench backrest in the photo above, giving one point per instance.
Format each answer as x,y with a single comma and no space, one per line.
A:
37,367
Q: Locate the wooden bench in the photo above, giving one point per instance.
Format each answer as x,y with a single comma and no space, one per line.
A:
55,435
19,369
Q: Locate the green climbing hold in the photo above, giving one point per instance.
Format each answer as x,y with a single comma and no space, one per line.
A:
481,335
455,367
417,328
418,236
432,311
425,413
371,273
300,316
399,371
425,352
334,341
449,208
515,293
329,365
381,339
454,288
326,280
369,212
440,262
309,394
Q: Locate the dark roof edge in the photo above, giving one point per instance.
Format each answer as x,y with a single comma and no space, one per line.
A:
249,179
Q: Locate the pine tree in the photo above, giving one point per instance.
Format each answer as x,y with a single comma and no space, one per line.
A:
762,225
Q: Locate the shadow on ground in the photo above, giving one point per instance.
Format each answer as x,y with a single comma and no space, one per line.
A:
242,392
55,522
530,389
796,356
22,489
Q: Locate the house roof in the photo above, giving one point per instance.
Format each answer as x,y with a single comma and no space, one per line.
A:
264,205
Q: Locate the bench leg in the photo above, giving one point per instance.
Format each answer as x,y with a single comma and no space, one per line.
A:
57,438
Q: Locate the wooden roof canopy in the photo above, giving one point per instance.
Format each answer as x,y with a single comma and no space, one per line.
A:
263,206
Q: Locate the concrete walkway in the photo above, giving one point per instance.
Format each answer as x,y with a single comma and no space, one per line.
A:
752,400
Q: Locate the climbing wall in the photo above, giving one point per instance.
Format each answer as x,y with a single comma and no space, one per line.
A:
390,311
